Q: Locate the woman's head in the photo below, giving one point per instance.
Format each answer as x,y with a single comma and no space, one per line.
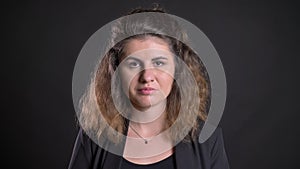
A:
132,41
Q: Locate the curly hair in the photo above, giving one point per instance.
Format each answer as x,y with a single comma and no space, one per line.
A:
97,107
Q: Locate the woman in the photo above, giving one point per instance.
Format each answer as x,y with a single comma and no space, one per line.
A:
147,101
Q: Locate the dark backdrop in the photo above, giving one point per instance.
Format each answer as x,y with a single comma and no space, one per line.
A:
257,41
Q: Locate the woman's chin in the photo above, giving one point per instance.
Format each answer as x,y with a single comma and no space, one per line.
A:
142,106
146,105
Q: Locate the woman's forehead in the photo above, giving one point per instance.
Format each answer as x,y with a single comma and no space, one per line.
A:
146,47
149,42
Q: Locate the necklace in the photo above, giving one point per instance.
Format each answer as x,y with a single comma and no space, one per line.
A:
145,140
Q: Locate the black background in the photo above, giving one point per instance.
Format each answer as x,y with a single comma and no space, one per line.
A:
257,41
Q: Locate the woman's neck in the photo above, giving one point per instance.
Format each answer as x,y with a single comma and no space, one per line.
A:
149,122
149,129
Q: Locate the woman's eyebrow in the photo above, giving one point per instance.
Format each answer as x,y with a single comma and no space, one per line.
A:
159,57
153,59
133,58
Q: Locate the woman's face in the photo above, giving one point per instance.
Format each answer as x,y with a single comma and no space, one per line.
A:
147,71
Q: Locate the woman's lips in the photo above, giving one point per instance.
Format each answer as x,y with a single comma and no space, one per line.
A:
146,90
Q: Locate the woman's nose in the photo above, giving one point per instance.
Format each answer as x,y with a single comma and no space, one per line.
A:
147,75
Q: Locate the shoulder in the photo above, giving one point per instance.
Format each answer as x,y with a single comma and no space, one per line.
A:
216,137
214,148
209,139
82,138
209,154
83,151
212,134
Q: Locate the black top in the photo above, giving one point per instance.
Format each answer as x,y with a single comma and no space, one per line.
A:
167,163
192,155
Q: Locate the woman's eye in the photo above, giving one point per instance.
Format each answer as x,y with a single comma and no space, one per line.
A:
133,64
158,63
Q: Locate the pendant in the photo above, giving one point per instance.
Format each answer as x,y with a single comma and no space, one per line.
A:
146,142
